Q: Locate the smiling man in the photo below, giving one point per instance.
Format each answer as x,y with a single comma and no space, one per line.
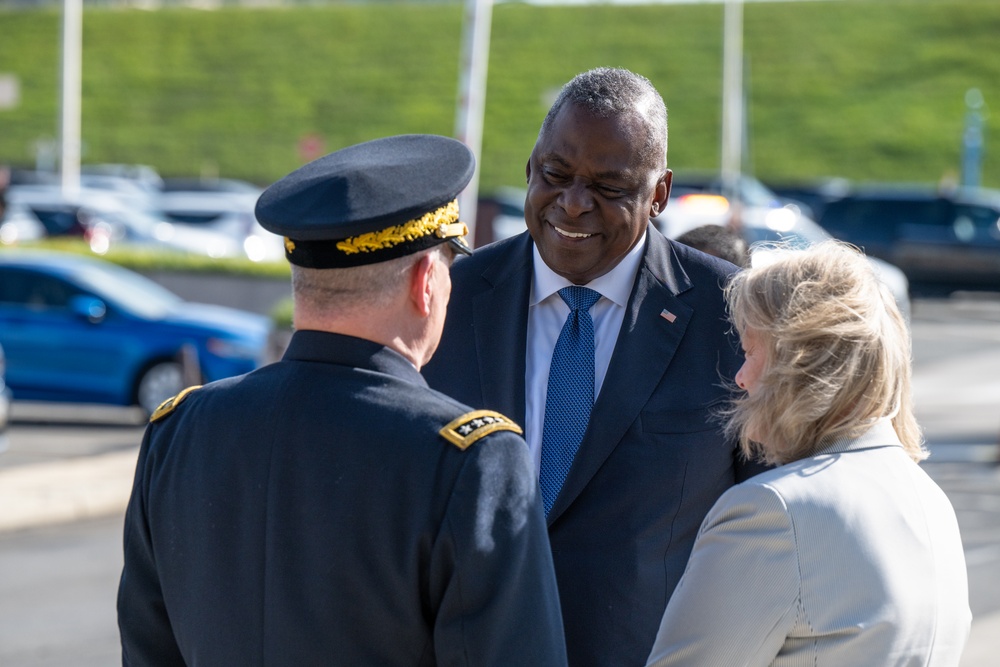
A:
606,341
594,178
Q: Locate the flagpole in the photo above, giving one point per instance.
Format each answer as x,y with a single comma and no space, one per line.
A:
472,98
732,98
70,106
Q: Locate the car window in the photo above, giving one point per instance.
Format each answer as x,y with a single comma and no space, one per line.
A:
931,213
856,216
59,221
880,219
34,290
129,290
193,217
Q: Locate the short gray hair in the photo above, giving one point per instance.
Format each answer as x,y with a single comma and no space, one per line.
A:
367,286
605,92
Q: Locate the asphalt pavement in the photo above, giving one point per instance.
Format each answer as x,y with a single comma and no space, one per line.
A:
65,477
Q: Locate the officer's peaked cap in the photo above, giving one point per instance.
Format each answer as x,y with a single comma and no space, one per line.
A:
371,202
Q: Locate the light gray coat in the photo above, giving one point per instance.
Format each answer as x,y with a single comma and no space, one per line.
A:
850,557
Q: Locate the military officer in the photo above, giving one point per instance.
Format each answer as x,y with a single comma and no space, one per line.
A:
330,508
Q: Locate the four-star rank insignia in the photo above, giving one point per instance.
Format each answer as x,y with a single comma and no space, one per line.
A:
472,426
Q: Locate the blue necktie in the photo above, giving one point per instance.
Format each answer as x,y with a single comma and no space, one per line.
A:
570,394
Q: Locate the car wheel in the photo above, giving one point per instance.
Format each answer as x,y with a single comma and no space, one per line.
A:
158,383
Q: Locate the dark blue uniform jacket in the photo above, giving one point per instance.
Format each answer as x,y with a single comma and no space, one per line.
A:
313,513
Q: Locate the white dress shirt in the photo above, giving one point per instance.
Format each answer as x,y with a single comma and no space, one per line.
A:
547,313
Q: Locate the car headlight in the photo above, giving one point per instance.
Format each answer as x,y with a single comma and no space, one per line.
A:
8,233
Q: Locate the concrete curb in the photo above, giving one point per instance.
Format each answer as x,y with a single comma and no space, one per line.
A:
68,490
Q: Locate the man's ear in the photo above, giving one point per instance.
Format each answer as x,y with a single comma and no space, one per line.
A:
527,171
420,284
661,193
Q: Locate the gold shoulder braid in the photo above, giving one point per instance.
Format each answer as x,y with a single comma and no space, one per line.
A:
472,426
441,222
167,406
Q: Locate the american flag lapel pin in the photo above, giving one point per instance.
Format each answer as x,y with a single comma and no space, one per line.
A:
668,316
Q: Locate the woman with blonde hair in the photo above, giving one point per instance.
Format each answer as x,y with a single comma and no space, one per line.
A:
845,553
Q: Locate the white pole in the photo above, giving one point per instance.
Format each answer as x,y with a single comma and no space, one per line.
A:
472,98
732,96
72,73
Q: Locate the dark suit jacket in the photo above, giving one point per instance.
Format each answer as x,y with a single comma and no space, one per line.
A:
653,460
312,513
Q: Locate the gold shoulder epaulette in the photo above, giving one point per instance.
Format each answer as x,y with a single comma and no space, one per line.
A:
475,425
167,406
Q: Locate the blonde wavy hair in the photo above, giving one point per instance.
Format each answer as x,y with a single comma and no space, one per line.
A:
837,353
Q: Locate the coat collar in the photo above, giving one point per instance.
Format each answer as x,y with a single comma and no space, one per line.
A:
881,434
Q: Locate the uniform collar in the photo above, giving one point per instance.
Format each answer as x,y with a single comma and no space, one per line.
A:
332,348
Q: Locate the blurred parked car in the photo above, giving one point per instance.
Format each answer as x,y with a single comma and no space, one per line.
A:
132,182
761,217
5,398
507,206
20,225
228,211
749,191
181,184
811,196
128,178
104,219
80,329
942,239
213,217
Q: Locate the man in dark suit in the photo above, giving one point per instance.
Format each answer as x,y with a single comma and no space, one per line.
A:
330,508
624,508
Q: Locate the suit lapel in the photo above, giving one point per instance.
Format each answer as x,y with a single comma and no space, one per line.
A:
500,320
655,322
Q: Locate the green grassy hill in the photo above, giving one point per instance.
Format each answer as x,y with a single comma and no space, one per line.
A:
865,90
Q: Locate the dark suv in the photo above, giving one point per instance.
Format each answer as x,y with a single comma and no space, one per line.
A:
942,240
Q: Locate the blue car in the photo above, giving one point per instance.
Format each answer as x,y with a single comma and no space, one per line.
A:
5,398
79,329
